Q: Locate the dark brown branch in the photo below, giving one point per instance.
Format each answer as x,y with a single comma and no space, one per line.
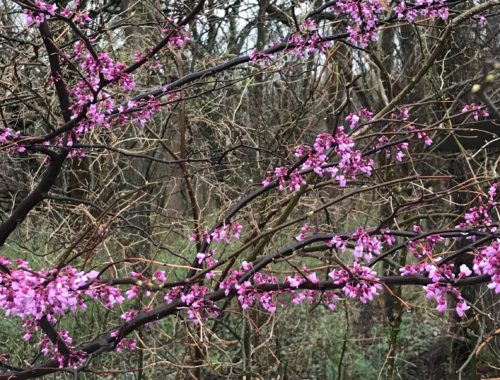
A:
50,175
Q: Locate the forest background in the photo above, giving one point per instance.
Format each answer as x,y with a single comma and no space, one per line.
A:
249,189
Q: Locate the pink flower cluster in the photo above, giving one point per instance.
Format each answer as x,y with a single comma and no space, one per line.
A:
487,261
81,17
363,17
358,282
26,293
140,112
399,149
435,271
479,216
99,106
363,24
221,234
426,8
421,135
307,40
208,261
177,36
268,299
327,297
44,9
129,344
96,69
38,17
87,95
477,111
230,281
350,161
32,295
355,117
404,115
366,245
303,232
424,247
251,291
9,138
198,307
389,239
437,291
152,64
282,174
260,58
247,292
339,243
49,349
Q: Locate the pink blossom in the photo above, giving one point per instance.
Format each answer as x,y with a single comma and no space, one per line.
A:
329,299
237,228
465,271
67,12
230,281
355,117
366,245
46,7
492,191
160,276
29,294
260,58
388,238
246,265
313,278
294,281
477,111
442,305
267,302
487,261
128,315
246,294
365,285
462,307
132,292
303,230
350,162
201,257
129,344
177,36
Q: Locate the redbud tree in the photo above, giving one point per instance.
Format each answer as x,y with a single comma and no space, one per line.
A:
184,181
